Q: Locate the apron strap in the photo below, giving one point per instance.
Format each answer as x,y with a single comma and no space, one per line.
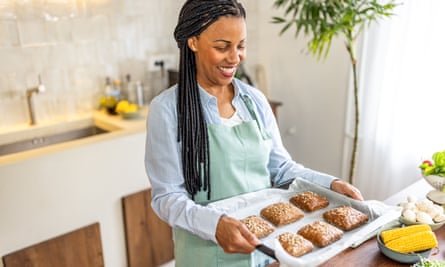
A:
250,107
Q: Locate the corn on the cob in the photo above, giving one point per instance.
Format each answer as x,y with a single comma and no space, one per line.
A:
414,242
392,234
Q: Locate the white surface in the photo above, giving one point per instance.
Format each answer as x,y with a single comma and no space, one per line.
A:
251,204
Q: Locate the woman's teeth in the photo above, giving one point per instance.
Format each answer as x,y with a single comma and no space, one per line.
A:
227,70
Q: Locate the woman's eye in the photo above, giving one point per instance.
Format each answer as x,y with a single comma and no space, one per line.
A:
221,48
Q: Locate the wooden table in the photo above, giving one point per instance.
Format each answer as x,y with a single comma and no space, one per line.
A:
368,254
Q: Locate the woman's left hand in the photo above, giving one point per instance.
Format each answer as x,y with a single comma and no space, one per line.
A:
346,189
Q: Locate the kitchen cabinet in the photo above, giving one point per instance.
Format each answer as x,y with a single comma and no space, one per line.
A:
81,247
149,240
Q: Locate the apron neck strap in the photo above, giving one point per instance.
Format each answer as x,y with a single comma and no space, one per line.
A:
250,107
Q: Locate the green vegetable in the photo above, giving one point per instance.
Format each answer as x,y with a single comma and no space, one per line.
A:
436,166
429,263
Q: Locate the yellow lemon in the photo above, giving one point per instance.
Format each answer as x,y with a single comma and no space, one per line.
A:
131,108
122,106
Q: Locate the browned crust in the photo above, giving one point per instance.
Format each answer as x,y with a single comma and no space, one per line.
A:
295,244
309,201
282,213
345,217
320,233
258,226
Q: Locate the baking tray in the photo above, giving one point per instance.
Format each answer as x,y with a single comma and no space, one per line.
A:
251,204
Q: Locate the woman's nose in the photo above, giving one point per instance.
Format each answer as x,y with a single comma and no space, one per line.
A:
235,56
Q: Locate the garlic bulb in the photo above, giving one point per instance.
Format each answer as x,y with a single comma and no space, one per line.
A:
423,211
424,217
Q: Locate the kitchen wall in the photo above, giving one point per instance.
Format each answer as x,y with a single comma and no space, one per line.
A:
74,44
314,93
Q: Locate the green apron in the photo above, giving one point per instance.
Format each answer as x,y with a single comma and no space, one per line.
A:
238,164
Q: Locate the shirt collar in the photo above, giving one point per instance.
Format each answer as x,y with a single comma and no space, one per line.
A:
207,98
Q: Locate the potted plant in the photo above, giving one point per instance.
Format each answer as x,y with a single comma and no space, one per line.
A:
322,20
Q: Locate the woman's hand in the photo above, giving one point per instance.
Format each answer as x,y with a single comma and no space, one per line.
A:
346,189
234,237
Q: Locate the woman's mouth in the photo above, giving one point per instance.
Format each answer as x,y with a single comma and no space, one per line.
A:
227,72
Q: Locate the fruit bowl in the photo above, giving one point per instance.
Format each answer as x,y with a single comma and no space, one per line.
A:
438,183
130,115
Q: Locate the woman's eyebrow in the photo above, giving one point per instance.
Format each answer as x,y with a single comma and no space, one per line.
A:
221,40
226,41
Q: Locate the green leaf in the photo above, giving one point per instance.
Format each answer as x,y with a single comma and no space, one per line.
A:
321,20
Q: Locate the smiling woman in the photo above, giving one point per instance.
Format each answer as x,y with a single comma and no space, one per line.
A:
402,97
211,137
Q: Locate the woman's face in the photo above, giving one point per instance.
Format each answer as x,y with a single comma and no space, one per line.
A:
219,50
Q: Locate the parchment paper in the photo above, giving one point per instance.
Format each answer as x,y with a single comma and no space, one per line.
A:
251,204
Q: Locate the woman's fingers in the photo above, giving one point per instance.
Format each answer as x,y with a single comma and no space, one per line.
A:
234,237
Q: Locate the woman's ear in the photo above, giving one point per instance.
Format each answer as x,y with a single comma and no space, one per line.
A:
192,43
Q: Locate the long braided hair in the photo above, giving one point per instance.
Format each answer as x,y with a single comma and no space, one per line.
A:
195,16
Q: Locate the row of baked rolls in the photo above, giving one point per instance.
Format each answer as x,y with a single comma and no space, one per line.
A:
283,213
317,233
344,217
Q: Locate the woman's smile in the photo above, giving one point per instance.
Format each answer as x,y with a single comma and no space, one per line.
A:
228,72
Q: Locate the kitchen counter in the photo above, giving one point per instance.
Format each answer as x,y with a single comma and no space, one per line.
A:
116,124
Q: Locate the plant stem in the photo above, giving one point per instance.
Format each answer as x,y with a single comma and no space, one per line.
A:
350,48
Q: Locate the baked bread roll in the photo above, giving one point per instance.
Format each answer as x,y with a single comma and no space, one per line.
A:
345,217
320,233
258,226
309,201
282,213
295,244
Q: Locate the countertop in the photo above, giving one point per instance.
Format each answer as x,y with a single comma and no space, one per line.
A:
118,127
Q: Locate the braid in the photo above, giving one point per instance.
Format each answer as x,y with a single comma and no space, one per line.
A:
194,18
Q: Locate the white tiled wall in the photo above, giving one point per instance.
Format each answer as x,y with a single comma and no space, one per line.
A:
73,45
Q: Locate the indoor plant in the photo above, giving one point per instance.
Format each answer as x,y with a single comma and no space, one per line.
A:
322,20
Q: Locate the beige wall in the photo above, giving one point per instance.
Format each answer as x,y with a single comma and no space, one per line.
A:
74,45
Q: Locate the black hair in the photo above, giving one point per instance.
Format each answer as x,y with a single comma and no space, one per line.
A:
195,17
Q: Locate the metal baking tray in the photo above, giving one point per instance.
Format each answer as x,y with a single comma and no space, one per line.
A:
251,204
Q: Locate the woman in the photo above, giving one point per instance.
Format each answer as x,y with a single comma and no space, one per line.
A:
211,137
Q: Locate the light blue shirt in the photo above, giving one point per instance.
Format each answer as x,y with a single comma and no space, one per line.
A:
170,199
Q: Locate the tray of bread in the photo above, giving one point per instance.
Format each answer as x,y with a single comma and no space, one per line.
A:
307,224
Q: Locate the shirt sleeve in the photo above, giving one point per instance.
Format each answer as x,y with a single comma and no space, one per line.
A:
281,165
170,200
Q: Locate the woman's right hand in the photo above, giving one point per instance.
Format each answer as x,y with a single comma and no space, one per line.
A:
234,237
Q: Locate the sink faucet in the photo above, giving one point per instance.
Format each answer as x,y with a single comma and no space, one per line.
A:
29,92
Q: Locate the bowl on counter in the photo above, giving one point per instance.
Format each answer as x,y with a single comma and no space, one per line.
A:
438,183
130,115
404,258
433,226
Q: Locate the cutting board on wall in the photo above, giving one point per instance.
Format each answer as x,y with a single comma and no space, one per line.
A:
82,247
149,240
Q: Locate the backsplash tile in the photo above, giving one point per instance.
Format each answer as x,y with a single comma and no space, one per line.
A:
8,33
73,45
